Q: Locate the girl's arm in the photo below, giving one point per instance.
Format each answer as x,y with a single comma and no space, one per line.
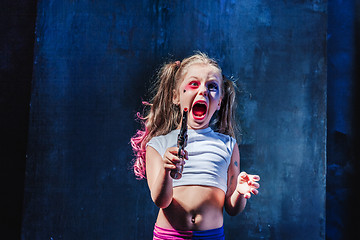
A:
234,201
240,185
158,175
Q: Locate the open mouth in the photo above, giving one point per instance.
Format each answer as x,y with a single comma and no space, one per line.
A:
199,110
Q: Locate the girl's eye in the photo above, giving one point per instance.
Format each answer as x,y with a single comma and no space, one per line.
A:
194,84
213,87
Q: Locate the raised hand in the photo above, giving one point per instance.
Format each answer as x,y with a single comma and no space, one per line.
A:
247,184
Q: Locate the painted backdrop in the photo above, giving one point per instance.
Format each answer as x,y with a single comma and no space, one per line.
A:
92,68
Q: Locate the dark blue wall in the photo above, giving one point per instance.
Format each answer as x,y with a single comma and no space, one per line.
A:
343,134
92,66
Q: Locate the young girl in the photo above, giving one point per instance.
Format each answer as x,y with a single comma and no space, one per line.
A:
192,207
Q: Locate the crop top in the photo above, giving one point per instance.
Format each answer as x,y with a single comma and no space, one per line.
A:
209,156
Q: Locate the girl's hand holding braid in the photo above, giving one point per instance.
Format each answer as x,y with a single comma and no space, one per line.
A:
247,184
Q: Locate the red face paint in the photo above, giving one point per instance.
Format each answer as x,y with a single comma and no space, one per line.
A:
192,85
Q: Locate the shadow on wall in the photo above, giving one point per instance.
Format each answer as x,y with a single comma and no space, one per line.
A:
342,212
16,66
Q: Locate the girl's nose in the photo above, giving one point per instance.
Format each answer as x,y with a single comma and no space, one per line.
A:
203,91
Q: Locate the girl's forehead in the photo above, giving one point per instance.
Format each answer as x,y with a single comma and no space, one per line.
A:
203,71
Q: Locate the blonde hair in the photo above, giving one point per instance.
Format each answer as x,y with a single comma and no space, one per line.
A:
164,116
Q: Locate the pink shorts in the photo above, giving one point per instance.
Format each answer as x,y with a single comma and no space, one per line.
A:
171,234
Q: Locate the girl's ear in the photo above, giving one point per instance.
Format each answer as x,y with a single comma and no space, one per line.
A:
176,98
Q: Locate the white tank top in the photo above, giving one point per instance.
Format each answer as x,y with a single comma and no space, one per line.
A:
209,156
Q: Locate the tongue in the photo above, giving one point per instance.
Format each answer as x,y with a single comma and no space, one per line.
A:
199,109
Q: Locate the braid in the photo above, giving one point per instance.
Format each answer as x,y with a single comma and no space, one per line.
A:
164,115
225,121
161,119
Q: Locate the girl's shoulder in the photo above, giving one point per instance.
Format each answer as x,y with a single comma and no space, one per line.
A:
228,140
210,135
165,137
224,137
162,142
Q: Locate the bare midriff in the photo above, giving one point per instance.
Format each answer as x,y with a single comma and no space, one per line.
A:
193,208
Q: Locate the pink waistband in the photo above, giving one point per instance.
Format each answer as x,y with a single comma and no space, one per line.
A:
163,233
171,234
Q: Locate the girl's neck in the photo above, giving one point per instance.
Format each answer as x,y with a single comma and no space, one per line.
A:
189,127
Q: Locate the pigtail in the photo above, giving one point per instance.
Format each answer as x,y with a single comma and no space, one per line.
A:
163,116
225,121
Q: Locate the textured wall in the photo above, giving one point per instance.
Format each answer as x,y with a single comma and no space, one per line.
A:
343,155
93,62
